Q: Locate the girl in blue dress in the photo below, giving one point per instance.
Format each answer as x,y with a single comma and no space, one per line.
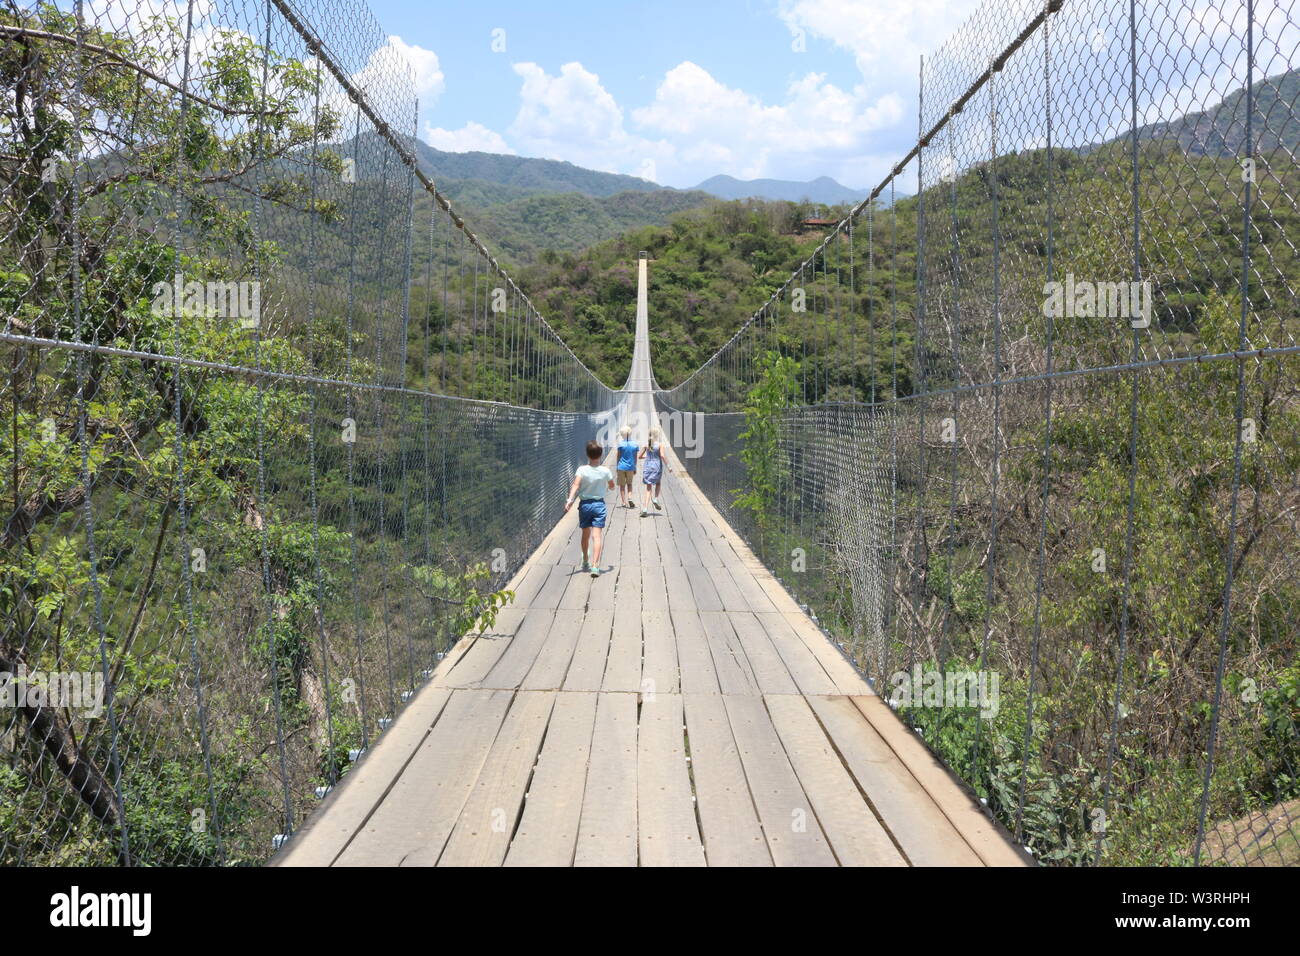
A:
652,471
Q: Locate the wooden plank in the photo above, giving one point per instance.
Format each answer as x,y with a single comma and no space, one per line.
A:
769,670
553,658
482,832
695,661
609,547
571,555
654,589
666,828
683,546
420,810
846,678
548,553
602,594
483,651
534,578
961,809
587,668
708,557
908,812
705,594
362,788
607,831
701,539
664,539
518,658
793,835
629,590
565,549
548,597
806,670
548,827
623,668
648,542
735,676
629,552
855,835
680,595
725,588
754,593
728,822
575,594
659,667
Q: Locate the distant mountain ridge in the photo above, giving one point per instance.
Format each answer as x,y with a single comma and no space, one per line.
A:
524,206
823,189
1220,131
524,175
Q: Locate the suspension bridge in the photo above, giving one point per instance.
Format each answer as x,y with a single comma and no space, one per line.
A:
680,710
278,426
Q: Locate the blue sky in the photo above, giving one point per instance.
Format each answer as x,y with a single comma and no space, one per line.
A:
675,90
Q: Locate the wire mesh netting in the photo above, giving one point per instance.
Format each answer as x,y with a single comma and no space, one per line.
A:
276,425
1024,441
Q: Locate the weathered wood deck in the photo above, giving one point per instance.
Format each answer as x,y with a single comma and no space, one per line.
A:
678,711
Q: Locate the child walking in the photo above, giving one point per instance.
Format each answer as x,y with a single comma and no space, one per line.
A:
627,450
652,475
589,486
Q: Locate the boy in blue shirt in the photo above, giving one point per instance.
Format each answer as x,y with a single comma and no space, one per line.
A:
589,485
627,450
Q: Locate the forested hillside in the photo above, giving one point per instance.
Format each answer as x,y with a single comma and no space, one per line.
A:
1221,129
525,173
711,268
522,206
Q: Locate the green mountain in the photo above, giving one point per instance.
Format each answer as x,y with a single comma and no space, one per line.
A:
1221,130
540,226
524,175
712,266
522,207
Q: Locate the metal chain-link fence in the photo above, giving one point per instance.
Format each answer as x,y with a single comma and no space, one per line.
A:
276,426
1025,440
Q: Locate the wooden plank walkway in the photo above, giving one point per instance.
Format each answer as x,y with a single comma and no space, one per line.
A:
678,711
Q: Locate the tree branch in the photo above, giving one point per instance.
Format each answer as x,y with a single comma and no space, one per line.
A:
25,33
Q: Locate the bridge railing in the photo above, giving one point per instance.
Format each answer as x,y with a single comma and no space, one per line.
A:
276,424
1021,431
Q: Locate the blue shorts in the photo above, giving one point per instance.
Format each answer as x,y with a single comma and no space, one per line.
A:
591,514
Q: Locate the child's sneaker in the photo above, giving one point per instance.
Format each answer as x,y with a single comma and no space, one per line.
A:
644,512
595,572
585,565
659,505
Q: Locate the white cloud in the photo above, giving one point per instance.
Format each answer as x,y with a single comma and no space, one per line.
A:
697,126
472,137
885,38
569,108
571,116
387,72
429,79
721,129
